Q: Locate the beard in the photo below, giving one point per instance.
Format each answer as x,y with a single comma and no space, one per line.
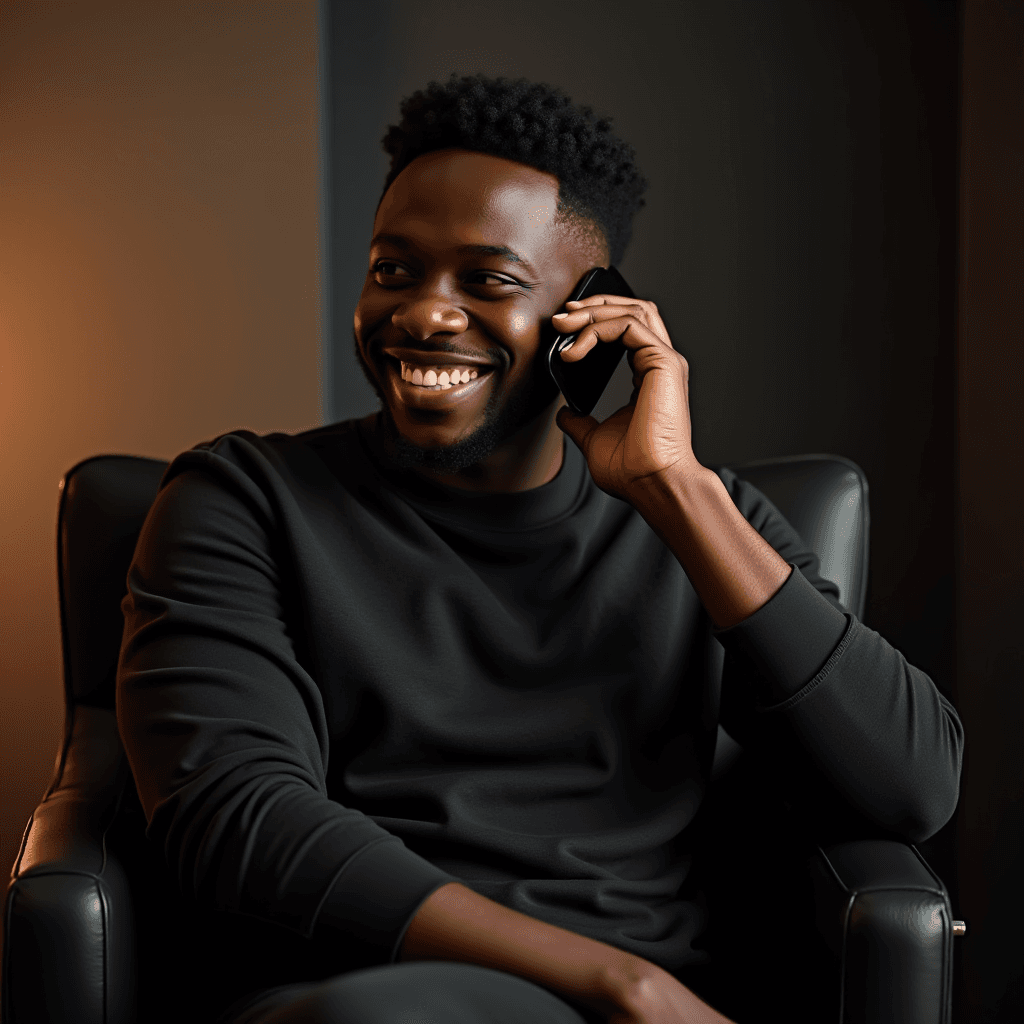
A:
505,413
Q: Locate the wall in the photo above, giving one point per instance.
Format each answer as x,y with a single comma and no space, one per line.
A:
159,279
990,550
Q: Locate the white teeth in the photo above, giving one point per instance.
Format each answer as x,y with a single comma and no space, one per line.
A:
438,381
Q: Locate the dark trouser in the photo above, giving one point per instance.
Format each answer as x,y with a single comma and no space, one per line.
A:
425,992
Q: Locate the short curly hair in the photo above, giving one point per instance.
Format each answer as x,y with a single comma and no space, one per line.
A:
534,124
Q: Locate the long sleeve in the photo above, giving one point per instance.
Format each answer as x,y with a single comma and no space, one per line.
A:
341,688
225,729
855,734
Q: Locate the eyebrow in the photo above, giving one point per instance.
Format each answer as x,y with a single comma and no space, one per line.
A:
501,251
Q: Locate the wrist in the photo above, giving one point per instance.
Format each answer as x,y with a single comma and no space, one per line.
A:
641,990
674,504
731,566
623,977
456,923
651,493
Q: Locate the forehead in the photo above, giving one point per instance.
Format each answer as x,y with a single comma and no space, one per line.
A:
471,197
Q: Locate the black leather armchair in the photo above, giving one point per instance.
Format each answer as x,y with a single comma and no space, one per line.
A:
855,931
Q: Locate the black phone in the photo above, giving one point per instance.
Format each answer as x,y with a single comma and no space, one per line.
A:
583,382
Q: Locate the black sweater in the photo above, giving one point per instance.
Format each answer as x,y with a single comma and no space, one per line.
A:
342,687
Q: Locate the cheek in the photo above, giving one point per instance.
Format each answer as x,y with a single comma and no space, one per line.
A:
522,333
368,313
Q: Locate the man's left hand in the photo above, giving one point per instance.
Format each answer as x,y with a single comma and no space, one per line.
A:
647,441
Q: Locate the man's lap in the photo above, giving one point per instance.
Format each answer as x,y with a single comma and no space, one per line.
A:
425,992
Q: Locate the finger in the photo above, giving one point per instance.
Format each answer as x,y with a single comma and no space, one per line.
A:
572,320
576,322
631,332
599,300
595,302
577,426
646,313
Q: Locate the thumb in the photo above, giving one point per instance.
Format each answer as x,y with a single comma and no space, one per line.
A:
576,425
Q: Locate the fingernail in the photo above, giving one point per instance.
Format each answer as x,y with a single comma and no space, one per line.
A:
560,316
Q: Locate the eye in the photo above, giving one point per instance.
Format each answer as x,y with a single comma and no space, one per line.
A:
380,264
495,277
489,279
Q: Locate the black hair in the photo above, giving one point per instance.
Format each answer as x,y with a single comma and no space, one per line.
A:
534,124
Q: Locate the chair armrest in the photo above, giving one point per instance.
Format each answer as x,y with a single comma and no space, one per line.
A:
886,917
69,930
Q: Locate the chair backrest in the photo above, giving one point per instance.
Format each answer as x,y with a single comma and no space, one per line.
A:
825,499
103,504
105,499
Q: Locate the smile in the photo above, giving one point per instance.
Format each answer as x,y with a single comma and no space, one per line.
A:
440,377
435,386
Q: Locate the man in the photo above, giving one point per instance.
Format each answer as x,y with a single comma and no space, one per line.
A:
436,691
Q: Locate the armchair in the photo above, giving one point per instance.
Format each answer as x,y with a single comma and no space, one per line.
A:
94,935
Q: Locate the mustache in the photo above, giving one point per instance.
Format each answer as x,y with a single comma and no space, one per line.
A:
494,354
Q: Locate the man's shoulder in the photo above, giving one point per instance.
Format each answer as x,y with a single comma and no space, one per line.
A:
305,458
342,433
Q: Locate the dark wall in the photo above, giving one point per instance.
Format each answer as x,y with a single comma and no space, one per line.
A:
990,584
799,237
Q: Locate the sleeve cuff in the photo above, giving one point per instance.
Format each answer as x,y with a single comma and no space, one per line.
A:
376,896
788,639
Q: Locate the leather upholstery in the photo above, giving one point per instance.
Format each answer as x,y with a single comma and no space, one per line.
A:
69,926
825,499
84,904
104,499
879,903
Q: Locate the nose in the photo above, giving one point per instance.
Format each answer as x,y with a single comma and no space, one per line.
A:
429,313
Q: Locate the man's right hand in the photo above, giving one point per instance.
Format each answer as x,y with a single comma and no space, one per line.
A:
456,923
650,995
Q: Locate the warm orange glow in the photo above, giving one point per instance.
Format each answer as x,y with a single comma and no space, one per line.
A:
159,251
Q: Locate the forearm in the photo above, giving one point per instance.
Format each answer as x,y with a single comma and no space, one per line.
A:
731,566
456,923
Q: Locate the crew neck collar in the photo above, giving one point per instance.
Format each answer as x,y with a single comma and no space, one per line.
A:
494,510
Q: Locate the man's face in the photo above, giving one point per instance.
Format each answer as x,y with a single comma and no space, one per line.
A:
433,301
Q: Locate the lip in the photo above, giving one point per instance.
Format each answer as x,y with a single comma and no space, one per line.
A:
420,358
426,398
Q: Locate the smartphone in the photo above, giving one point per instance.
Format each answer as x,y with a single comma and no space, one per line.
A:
583,382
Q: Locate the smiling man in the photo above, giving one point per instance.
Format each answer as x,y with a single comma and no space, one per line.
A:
454,359
434,694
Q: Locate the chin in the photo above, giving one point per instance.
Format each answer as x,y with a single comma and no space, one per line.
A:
453,457
499,427
505,415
